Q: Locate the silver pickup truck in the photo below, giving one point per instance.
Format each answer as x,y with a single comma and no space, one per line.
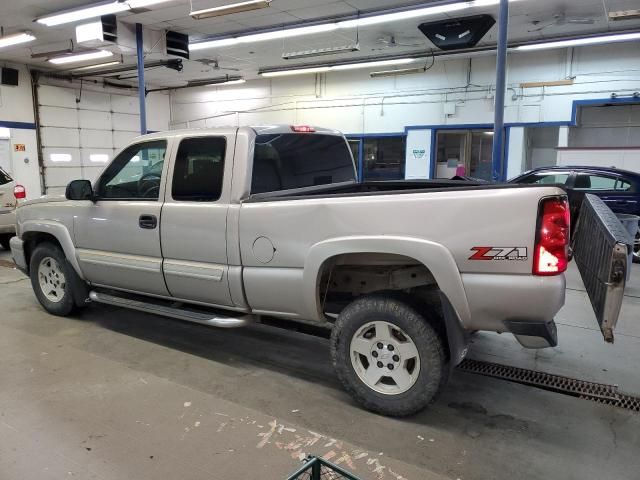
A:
236,225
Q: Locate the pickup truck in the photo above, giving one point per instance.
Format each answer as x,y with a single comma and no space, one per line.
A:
230,226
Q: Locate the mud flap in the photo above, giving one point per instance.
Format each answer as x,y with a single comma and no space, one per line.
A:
600,248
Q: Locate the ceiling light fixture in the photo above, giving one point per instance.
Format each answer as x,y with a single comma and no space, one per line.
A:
372,19
80,57
93,11
400,71
229,9
97,65
340,67
316,52
16,39
576,42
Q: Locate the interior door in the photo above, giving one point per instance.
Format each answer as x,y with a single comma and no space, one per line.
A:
118,236
194,220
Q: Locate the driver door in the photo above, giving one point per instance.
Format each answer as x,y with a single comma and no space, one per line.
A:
118,236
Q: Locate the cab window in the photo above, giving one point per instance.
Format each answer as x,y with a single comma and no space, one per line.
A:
199,169
135,173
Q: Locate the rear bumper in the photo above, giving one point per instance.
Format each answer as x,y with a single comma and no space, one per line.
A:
17,250
524,305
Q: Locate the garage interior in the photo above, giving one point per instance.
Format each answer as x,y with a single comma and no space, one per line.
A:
112,393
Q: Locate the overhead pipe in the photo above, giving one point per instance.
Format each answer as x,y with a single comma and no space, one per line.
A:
497,167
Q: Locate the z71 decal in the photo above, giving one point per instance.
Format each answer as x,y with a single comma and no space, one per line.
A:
499,253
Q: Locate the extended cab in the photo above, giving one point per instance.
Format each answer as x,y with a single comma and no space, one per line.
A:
233,225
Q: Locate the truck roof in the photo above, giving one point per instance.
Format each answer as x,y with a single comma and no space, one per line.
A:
258,129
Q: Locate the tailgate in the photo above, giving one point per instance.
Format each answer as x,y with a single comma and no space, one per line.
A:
600,245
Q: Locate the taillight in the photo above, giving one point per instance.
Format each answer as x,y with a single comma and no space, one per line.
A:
19,192
302,129
551,254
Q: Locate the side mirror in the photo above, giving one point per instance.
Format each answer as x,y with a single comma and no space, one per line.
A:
79,190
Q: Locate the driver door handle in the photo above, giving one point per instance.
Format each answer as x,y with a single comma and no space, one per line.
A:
148,221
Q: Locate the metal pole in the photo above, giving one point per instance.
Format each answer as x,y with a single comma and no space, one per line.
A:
501,68
141,89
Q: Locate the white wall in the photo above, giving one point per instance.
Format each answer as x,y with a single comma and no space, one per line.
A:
355,103
16,106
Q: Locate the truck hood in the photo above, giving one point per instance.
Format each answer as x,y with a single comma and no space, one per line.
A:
43,199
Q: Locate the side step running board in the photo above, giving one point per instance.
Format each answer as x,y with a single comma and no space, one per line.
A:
211,319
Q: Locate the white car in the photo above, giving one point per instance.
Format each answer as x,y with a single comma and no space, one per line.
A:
9,195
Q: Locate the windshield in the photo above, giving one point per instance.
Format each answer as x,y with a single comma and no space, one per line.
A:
292,160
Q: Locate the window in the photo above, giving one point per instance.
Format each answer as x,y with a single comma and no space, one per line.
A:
292,160
135,173
384,158
547,178
585,181
4,177
199,169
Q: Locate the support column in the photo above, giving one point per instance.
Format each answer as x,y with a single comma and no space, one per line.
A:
501,68
141,87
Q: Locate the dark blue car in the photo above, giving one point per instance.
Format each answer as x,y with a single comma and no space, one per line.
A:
620,189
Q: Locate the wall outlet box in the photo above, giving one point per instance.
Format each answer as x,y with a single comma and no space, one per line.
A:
449,108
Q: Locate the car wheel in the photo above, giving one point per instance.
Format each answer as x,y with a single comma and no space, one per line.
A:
51,279
388,356
4,241
636,247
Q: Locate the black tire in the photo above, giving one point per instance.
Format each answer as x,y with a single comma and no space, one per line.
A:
636,248
65,305
4,241
433,373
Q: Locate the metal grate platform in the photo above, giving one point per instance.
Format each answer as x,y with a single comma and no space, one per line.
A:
597,392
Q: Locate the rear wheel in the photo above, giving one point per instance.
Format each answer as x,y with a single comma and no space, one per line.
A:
52,278
636,247
388,356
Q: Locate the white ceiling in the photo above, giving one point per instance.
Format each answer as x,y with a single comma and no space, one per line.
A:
248,58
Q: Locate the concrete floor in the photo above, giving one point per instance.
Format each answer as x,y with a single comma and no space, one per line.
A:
116,394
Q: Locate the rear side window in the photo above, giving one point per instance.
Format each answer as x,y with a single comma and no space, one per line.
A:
199,169
585,181
547,178
290,160
4,177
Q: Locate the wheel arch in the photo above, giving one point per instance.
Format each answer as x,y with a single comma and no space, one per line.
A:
433,256
34,233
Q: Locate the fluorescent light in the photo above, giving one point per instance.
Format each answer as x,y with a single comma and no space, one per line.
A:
60,157
97,65
576,42
316,52
229,9
15,39
400,71
299,71
83,13
405,15
231,82
93,11
348,66
144,3
99,157
290,32
379,63
80,57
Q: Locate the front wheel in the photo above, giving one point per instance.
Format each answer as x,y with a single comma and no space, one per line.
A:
388,356
51,279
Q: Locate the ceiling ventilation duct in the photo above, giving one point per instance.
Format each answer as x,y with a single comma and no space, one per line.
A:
457,33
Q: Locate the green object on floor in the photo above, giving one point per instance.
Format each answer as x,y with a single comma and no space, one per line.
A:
316,468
